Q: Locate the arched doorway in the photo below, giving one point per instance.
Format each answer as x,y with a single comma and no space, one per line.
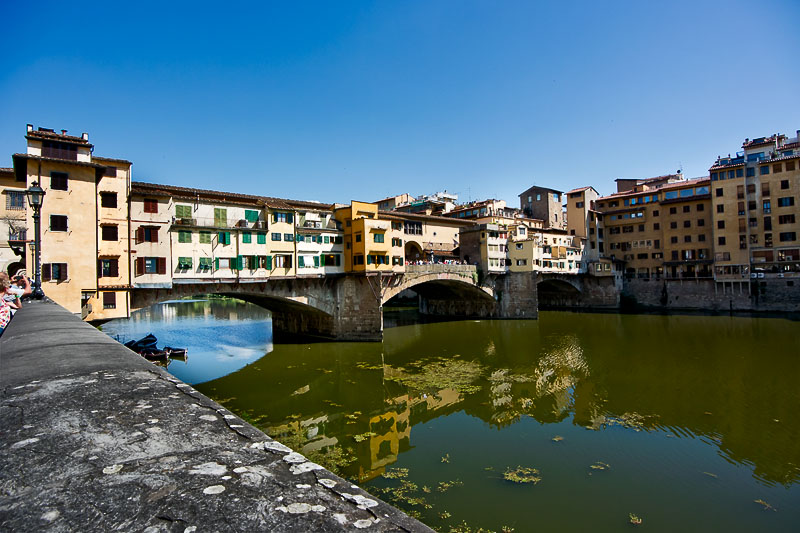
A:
413,251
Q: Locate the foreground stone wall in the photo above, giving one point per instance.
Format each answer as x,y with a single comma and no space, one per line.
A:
95,438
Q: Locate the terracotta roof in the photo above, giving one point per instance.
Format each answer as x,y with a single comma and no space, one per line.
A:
186,192
57,160
760,141
581,189
113,160
394,215
39,134
677,185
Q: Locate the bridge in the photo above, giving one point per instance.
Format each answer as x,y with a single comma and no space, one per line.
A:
349,307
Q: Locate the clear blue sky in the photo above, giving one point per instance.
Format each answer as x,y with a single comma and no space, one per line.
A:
342,100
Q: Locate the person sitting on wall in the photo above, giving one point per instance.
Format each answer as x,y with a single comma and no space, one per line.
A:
5,305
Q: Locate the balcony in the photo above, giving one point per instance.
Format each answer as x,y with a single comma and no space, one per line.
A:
211,222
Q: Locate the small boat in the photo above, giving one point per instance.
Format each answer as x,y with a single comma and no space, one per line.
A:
153,353
177,353
147,342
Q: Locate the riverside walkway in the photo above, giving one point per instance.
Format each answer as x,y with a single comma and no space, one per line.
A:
95,438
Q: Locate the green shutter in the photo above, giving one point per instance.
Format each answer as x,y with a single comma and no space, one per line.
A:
327,239
240,263
269,262
316,260
205,237
183,211
274,217
300,238
262,238
301,261
216,263
247,237
250,215
289,218
220,217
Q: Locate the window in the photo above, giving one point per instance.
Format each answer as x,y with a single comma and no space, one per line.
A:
673,225
687,223
740,206
701,237
720,224
641,227
109,233
275,236
204,263
786,219
768,240
109,300
283,261
184,263
754,238
15,200
261,238
151,265
687,208
786,201
657,244
147,234
204,237
767,206
765,189
288,237
109,268
397,242
247,237
358,237
58,181
150,205
687,238
285,218
751,172
331,260
763,170
358,259
701,222
784,184
788,236
224,237
721,241
250,215
673,240
184,236
674,255
58,222
701,207
111,172
752,222
789,166
655,213
183,211
378,237
742,225
108,199
767,223
673,210
220,217
739,172
720,208
751,205
719,191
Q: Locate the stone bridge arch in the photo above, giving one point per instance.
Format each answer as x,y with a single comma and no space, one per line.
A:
558,291
419,279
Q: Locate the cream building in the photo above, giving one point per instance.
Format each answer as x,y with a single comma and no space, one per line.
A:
13,221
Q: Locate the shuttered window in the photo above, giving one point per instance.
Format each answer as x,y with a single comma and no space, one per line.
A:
183,211
247,237
150,205
58,222
250,215
108,268
110,233
54,271
261,238
220,217
109,300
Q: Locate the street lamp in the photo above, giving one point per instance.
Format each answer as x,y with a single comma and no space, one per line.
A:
35,200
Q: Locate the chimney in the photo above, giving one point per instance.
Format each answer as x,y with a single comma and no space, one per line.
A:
85,136
63,132
30,128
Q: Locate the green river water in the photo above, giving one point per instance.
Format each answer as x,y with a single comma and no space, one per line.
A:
688,423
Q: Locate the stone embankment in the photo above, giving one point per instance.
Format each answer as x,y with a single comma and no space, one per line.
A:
95,438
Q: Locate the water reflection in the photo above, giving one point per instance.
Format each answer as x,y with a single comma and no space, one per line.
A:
695,415
221,335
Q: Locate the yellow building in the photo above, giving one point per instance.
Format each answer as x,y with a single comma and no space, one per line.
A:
13,221
367,245
76,185
756,213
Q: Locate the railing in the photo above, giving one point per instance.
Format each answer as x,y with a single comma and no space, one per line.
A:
210,222
19,235
440,268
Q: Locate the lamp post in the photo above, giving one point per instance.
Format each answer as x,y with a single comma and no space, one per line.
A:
35,199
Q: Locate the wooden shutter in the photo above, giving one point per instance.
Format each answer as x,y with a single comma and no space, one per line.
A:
62,275
154,234
139,270
289,218
114,268
99,268
46,272
162,265
139,235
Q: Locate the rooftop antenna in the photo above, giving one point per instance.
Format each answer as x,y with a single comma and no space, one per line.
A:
680,170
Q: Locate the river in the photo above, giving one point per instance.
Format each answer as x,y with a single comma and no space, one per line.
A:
573,422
